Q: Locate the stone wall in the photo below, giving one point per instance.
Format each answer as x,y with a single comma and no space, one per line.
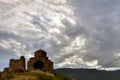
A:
41,62
17,65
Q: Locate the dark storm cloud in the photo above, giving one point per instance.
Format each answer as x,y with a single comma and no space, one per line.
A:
102,26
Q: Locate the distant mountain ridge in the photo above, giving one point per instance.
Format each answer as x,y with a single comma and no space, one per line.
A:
89,74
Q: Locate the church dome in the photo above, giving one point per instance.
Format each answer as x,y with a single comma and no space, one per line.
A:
40,53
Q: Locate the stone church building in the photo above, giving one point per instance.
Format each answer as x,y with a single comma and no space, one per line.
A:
40,62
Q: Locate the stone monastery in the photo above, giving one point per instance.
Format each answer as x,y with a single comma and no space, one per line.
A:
40,61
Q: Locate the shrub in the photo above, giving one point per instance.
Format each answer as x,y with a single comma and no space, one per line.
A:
43,77
8,76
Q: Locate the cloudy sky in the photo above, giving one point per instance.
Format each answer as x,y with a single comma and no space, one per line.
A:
74,33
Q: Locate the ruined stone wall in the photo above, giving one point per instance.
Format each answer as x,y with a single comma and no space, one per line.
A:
40,61
17,65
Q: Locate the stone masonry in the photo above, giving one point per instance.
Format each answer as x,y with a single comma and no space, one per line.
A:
16,65
40,62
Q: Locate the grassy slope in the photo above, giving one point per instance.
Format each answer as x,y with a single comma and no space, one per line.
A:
32,75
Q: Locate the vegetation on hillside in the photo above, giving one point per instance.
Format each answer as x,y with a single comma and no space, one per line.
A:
32,75
89,74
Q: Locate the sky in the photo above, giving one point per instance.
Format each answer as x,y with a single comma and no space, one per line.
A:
74,33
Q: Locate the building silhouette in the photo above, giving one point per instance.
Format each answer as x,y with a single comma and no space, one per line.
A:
40,61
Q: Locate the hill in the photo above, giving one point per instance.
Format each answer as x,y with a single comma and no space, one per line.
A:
89,74
31,75
0,74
